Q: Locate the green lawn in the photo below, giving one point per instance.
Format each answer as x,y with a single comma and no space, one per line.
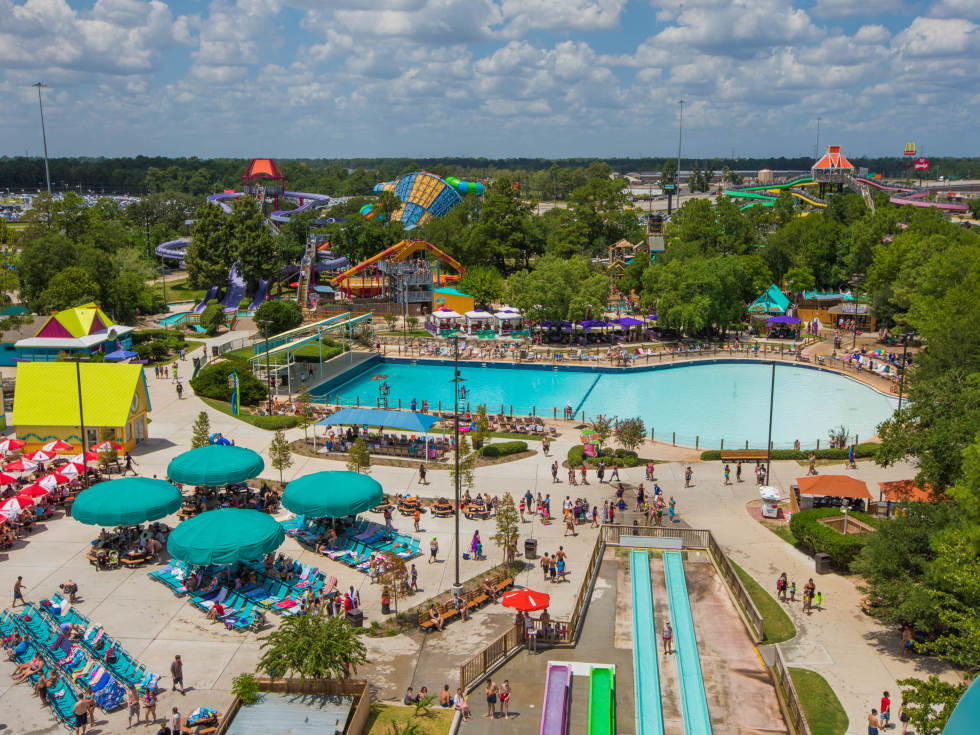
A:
383,715
308,350
823,710
178,291
778,626
270,423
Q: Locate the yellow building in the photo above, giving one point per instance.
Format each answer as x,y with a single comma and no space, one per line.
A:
450,298
115,403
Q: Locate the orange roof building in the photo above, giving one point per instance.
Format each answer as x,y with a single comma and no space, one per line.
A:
901,490
833,167
263,179
836,486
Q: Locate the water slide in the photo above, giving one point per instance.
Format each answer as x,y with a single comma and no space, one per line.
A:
224,197
769,200
694,701
602,709
904,195
557,692
646,672
235,291
309,201
173,249
211,294
802,181
260,295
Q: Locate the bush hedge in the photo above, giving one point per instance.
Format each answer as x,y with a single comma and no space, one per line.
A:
818,538
609,457
273,423
503,449
212,382
864,450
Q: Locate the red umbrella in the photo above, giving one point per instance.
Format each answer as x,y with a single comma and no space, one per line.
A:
8,445
51,481
33,491
526,600
89,457
20,465
6,479
58,447
40,456
107,446
72,469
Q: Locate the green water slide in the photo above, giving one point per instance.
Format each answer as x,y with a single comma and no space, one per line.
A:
602,703
802,181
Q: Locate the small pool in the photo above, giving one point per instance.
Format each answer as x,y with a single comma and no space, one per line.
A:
172,319
708,401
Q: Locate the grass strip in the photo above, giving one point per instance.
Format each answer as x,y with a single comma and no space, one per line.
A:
778,626
823,710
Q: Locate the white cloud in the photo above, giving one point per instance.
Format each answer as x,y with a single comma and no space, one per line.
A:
935,37
863,8
955,9
874,34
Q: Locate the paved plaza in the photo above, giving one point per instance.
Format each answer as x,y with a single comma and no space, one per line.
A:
857,655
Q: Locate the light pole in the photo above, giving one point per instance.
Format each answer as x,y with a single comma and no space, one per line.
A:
44,135
457,587
856,280
904,366
772,394
680,136
268,379
816,147
81,414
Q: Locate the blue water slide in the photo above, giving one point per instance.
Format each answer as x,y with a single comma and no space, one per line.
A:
694,701
223,198
235,291
260,295
310,201
646,672
211,294
173,249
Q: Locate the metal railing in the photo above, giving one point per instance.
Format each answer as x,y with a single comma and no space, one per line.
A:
756,623
494,653
578,612
793,705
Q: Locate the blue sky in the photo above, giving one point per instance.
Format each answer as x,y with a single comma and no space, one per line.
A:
345,78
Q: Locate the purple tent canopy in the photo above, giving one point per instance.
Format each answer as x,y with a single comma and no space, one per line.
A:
782,320
628,321
651,318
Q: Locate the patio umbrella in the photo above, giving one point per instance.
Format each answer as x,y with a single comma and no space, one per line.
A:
40,456
52,480
126,502
525,600
6,479
224,536
8,445
107,446
20,465
58,447
12,506
215,465
33,491
72,469
89,457
332,494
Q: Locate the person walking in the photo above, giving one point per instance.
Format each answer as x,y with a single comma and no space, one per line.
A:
585,479
554,471
672,509
416,517
600,471
738,471
728,472
688,475
19,592
505,692
545,446
903,717
175,722
149,706
129,464
812,469
132,705
668,637
177,673
433,550
491,690
422,480
886,710
873,722
614,475
180,390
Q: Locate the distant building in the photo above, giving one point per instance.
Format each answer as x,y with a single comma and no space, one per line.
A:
832,168
114,397
82,330
765,176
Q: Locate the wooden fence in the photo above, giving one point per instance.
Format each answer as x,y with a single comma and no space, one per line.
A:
495,652
785,682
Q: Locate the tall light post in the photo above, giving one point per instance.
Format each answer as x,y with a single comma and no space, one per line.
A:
680,136
904,366
772,395
457,587
816,147
268,379
856,280
44,135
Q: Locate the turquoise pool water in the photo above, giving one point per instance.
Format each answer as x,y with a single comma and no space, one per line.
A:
168,321
718,401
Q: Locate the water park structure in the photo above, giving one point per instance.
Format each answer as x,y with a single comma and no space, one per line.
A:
424,196
395,275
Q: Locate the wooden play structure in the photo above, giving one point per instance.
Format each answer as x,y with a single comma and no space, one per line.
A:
404,273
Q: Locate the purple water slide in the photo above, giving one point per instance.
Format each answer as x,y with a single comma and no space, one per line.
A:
211,294
235,291
260,295
554,710
173,249
945,206
309,201
223,197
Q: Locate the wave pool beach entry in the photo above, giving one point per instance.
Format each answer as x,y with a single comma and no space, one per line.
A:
714,401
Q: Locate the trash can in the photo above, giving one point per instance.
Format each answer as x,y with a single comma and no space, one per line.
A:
385,607
530,548
823,563
356,618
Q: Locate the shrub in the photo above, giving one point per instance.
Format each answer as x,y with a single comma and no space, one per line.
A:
274,423
619,457
818,538
861,451
283,315
158,349
576,456
212,382
503,449
244,303
245,687
148,335
212,318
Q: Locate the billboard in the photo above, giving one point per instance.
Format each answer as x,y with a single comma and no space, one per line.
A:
910,149
921,164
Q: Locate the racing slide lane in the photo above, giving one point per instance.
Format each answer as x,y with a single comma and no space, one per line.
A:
235,291
602,708
557,692
694,701
646,671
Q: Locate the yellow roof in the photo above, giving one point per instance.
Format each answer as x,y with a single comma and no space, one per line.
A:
79,320
46,393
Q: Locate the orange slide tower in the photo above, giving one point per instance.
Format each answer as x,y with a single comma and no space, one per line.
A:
366,280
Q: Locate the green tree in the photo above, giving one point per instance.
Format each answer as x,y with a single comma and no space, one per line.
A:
484,283
508,525
668,172
800,279
603,428
280,456
559,289
273,317
42,256
358,458
501,233
211,251
71,287
254,247
304,406
482,426
201,431
387,204
312,647
467,461
630,432
212,318
929,703
393,576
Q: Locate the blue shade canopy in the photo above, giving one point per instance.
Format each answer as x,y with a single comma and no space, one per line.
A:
225,536
332,494
963,721
407,420
126,502
120,355
215,465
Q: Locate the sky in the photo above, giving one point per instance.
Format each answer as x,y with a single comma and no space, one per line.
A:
495,78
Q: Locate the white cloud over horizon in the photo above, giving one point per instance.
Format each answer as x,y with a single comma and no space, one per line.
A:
298,78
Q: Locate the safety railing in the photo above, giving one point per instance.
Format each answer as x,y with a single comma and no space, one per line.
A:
793,705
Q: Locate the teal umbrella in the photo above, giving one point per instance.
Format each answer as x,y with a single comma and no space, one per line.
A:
215,465
225,536
332,494
126,502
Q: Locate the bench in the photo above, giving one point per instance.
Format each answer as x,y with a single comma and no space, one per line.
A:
743,455
473,599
